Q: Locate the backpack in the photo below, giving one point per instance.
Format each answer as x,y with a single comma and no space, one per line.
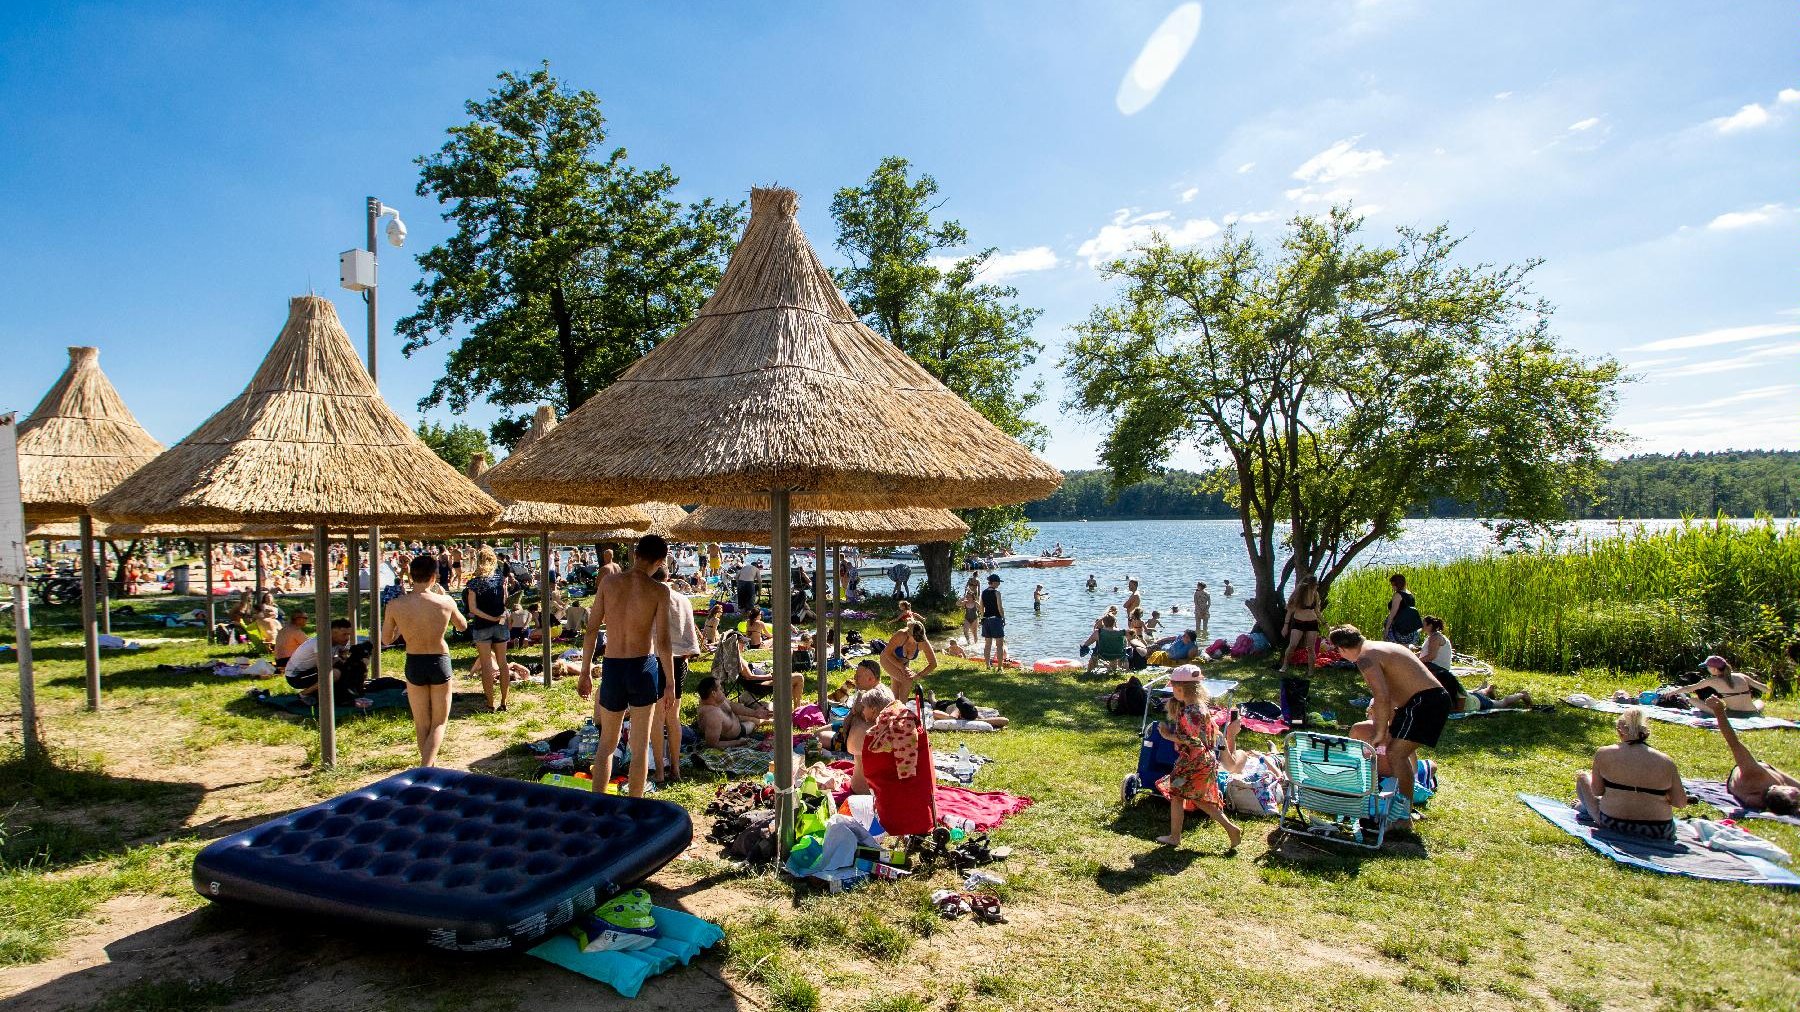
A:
1128,698
755,842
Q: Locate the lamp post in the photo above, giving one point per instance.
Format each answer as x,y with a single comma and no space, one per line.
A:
356,269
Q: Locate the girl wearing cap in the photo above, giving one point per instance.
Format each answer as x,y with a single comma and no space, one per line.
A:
1195,776
1735,688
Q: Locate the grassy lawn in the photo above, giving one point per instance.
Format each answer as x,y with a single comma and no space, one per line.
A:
1490,908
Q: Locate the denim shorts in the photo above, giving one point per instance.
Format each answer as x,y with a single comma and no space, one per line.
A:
491,634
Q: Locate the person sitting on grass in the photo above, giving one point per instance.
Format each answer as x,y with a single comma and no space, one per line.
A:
1195,777
709,633
756,631
289,637
1176,649
1633,789
722,723
303,665
1753,783
961,709
1736,688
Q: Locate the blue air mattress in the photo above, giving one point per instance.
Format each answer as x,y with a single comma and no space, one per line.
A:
469,862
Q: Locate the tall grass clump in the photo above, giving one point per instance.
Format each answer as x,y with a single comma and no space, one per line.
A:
1643,601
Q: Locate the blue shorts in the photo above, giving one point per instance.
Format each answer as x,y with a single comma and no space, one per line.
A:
490,634
993,628
626,682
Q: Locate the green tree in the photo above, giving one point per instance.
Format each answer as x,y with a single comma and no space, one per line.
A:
971,335
567,263
1342,385
456,443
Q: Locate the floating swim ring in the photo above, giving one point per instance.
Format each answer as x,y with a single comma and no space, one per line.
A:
1050,664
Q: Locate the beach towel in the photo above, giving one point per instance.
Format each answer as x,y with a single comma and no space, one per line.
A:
1488,713
1685,856
289,702
986,809
1718,795
681,937
1687,718
258,668
1262,725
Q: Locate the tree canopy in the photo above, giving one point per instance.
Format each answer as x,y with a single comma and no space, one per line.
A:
971,335
1341,384
567,263
456,443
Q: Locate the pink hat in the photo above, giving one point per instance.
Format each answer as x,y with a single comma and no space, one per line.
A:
1185,673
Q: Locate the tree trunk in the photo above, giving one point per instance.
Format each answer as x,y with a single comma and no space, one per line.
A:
573,392
938,565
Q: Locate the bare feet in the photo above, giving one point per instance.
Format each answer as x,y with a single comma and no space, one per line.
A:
1169,841
1234,834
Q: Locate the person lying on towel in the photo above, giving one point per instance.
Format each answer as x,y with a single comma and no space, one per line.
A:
1753,783
1633,789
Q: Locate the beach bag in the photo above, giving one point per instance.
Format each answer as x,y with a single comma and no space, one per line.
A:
754,843
1242,646
1407,620
1128,698
1295,695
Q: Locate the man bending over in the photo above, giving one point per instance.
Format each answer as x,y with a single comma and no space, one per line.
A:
634,608
1408,710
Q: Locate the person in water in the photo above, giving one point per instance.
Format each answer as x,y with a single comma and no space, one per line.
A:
1037,599
1632,788
1228,591
1755,784
1092,584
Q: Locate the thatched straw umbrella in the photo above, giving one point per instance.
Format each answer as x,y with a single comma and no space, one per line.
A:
79,443
805,406
906,526
309,441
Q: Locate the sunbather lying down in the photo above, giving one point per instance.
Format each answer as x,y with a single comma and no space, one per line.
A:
1755,784
961,709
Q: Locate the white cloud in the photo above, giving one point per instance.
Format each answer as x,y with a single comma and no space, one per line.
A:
1725,335
1771,427
1747,118
1743,219
1584,124
1189,194
1758,394
1502,95
1151,216
1161,56
1246,167
1751,359
1001,266
1788,96
1127,232
1250,218
1307,195
1341,161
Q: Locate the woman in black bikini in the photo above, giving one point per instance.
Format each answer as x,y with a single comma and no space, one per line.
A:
904,647
1302,628
1633,788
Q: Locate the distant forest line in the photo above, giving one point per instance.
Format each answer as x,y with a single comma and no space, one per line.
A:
1736,483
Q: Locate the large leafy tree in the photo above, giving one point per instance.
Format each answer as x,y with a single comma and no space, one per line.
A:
567,263
971,335
1343,384
456,444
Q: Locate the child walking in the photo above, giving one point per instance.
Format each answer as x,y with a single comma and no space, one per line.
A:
1195,777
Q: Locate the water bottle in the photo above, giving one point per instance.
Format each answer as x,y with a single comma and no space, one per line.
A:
962,754
587,745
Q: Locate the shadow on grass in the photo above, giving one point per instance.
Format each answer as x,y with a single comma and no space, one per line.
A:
86,813
1146,868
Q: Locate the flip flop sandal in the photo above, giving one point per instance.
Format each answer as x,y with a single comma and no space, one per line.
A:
986,907
950,905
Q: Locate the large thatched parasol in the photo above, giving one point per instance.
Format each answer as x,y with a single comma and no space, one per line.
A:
79,443
309,441
805,405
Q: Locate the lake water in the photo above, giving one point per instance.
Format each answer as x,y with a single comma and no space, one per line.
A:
1168,556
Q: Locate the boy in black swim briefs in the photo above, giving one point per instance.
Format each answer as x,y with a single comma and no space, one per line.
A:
634,607
420,618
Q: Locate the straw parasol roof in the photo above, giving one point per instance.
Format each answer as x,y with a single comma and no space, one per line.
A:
78,443
308,441
63,530
843,527
662,515
519,517
800,395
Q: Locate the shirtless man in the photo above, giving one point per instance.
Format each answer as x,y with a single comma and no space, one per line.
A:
607,566
719,722
289,638
635,609
1409,706
1132,600
1755,784
868,676
420,617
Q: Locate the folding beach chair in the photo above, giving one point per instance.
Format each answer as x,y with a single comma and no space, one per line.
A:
726,657
1109,650
1334,793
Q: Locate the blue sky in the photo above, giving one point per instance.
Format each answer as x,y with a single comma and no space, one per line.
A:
175,172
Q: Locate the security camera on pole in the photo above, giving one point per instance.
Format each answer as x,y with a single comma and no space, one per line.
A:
356,271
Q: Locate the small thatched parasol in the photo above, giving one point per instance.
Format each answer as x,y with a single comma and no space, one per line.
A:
79,443
805,406
593,522
309,441
906,526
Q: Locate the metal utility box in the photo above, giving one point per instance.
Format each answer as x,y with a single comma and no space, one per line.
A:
356,269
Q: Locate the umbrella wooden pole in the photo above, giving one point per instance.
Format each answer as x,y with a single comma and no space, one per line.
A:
784,671
27,688
375,595
105,590
326,698
819,650
353,582
212,618
90,632
545,587
837,598
256,546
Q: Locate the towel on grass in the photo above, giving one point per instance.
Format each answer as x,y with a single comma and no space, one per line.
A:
1719,796
1488,713
1685,856
1261,725
1688,718
986,809
289,702
681,937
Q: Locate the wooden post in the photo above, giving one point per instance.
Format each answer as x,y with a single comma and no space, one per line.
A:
105,590
353,585
819,644
326,698
784,670
90,631
212,617
545,589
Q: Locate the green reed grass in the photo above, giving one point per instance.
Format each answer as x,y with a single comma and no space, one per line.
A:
1643,601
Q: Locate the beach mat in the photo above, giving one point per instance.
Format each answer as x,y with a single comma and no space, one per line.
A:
683,938
1687,718
288,702
1684,857
1719,796
1488,713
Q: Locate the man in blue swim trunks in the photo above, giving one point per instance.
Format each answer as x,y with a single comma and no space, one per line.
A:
634,607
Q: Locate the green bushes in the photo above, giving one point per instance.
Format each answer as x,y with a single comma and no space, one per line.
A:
1646,601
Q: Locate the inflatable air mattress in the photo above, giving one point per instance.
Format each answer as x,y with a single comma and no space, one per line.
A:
467,861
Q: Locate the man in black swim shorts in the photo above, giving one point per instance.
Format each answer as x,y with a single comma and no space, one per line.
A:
1408,708
634,607
420,618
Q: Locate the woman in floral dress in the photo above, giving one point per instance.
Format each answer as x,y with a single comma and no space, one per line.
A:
1195,777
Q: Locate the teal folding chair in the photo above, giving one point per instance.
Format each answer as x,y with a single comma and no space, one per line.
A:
1334,791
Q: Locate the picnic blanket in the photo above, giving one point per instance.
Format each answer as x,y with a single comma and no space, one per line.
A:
288,702
681,936
986,809
1688,718
1489,713
1718,795
1686,856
